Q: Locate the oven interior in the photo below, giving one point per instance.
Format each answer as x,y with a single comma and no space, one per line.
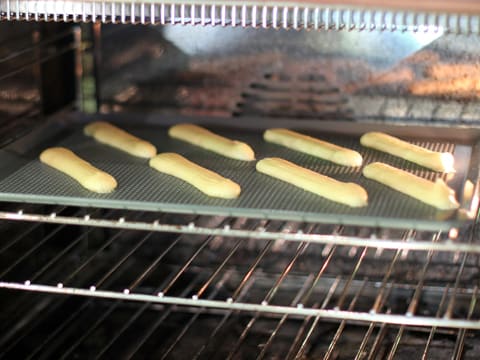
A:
102,282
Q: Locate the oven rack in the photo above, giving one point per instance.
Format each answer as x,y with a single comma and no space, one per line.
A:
229,304
292,15
265,277
371,237
154,334
306,283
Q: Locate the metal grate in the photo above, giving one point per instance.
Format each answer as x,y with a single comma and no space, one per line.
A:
289,16
252,297
378,238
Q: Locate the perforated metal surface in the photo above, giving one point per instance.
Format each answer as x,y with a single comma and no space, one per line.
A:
142,188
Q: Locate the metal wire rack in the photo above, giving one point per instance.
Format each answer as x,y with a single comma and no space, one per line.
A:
242,273
451,241
218,280
148,332
290,16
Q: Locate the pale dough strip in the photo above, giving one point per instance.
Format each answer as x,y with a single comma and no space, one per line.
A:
87,175
206,139
207,181
345,193
436,194
437,161
111,135
313,146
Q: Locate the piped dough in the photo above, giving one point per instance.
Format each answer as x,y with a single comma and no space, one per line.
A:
313,146
199,136
111,135
86,174
437,161
207,181
345,193
436,194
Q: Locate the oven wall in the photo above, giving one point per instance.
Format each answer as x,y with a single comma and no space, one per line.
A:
235,72
232,72
40,71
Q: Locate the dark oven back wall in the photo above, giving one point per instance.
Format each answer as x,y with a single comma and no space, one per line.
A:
37,73
234,72
350,75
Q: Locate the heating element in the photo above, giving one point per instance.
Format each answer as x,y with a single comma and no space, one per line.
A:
157,270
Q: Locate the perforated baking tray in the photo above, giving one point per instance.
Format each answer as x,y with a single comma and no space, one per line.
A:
24,179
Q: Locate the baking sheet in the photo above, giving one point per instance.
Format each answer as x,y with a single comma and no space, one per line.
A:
23,178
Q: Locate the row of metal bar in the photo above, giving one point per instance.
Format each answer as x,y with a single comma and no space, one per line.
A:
373,238
329,18
222,272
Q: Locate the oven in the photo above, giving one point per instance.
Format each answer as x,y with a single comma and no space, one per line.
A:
157,270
